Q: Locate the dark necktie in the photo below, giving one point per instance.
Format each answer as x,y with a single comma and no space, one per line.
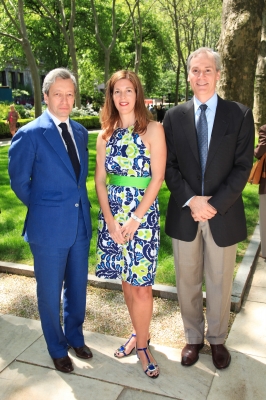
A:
202,131
70,148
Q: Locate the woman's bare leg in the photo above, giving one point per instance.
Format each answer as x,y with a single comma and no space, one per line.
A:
141,313
128,300
128,296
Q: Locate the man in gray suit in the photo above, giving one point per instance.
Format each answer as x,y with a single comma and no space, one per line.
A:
210,152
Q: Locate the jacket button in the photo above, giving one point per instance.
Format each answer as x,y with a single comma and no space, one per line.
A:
77,204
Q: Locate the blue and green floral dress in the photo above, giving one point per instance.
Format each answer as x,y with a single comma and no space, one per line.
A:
134,262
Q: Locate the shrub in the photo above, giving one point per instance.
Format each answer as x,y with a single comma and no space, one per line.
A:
23,111
4,130
24,121
4,109
87,122
83,111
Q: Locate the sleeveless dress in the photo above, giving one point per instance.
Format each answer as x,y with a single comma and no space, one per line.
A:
134,262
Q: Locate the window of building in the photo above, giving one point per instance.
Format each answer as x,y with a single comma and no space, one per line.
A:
12,79
2,78
20,78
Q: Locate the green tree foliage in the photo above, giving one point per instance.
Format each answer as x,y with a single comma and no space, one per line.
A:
52,50
194,24
14,27
153,37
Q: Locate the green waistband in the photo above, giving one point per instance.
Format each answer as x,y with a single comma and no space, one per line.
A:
138,182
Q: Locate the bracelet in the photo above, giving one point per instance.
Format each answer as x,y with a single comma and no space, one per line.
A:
133,216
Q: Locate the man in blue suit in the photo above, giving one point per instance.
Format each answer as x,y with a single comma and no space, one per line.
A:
48,167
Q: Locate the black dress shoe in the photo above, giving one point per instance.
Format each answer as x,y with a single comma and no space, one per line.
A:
63,364
220,356
82,352
190,354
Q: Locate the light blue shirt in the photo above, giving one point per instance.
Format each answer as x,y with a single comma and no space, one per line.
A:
210,115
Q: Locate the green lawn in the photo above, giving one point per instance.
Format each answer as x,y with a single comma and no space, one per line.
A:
14,249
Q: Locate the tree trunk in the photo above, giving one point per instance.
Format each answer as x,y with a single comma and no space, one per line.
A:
106,65
175,20
138,49
67,30
31,61
107,50
177,82
238,47
73,56
137,29
72,46
16,19
35,77
260,81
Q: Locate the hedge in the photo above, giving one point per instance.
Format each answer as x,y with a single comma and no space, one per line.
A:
87,122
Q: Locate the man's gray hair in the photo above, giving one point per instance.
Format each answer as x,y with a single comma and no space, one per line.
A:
216,56
51,77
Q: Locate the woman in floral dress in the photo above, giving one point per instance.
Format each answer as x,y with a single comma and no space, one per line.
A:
131,158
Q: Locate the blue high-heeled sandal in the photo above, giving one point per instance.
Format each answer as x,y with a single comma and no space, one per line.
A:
122,349
151,367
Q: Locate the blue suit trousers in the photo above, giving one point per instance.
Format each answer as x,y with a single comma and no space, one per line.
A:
67,268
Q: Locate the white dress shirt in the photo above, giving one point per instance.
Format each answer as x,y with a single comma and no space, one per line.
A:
57,122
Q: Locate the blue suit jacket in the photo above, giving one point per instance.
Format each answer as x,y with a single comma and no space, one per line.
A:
43,178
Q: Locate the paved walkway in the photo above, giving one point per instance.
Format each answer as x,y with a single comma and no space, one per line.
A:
5,142
27,372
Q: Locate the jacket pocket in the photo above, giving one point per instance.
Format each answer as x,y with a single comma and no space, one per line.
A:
52,195
49,198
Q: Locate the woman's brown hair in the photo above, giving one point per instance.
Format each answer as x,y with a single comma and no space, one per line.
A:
110,117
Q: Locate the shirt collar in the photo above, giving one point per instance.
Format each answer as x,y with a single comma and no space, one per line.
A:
211,103
56,120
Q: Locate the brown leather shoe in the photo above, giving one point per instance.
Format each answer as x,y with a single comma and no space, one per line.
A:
220,356
63,364
82,352
190,354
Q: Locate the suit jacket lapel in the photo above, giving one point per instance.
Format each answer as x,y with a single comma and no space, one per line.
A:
220,125
188,123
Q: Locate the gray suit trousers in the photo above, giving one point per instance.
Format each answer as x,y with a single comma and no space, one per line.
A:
193,260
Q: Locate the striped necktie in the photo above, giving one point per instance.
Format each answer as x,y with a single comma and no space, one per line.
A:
202,134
